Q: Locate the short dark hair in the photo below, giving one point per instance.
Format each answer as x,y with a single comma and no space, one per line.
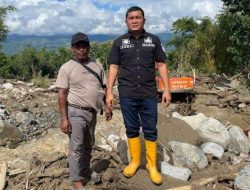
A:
134,8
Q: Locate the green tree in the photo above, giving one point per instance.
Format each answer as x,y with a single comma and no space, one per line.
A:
4,66
236,18
27,63
3,27
193,44
58,57
4,60
100,52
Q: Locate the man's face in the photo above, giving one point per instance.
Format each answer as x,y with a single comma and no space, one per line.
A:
135,21
81,51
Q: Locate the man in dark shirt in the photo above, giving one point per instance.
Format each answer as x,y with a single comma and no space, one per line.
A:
135,55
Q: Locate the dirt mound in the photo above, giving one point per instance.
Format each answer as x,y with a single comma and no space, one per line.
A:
173,129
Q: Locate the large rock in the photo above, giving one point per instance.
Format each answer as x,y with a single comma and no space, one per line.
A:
25,118
10,132
193,121
239,141
175,172
242,181
212,148
8,86
209,129
190,153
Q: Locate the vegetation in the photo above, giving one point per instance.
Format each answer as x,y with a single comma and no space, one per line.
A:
41,81
194,42
3,28
236,18
30,62
221,45
100,51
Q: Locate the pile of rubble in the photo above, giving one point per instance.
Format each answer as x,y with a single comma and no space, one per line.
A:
224,93
205,150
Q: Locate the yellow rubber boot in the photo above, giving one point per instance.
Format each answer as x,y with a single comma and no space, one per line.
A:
134,145
151,155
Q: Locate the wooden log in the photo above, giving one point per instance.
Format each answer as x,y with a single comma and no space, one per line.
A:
3,171
205,181
206,92
54,172
196,184
186,187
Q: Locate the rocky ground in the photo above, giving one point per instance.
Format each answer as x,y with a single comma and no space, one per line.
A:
201,144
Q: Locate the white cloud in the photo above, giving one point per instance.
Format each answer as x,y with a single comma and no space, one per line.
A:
47,17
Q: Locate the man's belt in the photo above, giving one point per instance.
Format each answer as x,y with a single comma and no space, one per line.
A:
81,107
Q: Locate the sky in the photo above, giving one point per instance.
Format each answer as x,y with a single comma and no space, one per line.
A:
49,17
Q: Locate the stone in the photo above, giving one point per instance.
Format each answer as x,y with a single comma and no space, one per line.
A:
10,132
8,86
212,148
239,142
189,152
175,172
24,117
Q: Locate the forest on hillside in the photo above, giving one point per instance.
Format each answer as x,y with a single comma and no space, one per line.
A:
220,45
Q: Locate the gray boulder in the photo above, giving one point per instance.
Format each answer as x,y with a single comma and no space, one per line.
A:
25,118
212,148
239,141
190,153
175,172
211,130
242,181
10,132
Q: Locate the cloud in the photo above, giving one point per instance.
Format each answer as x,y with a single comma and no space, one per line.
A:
47,17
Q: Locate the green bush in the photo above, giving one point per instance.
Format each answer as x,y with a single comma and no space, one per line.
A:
41,81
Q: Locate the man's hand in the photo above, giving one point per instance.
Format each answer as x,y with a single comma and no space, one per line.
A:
65,125
108,114
109,101
166,98
109,106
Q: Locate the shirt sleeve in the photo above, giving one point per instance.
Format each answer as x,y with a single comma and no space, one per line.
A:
114,55
160,54
62,80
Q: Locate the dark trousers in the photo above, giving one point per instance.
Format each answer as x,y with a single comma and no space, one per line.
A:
140,113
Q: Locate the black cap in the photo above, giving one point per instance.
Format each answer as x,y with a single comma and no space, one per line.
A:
78,37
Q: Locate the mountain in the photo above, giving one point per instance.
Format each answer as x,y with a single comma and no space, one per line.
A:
15,42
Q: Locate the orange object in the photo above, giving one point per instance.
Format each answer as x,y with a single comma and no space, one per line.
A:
177,84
